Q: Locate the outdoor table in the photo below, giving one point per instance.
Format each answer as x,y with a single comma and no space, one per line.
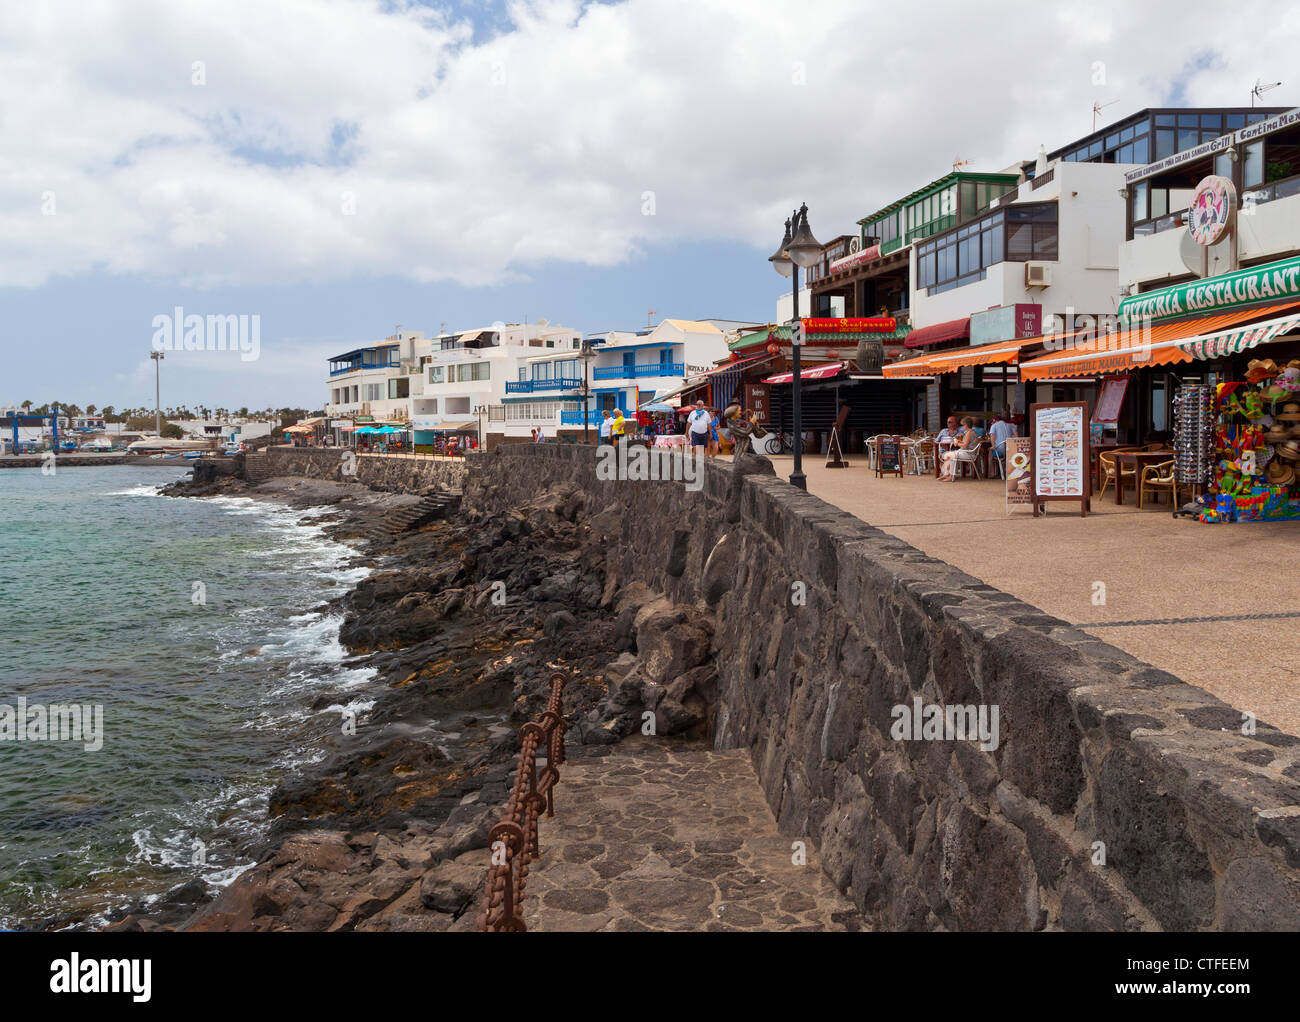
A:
1139,460
670,440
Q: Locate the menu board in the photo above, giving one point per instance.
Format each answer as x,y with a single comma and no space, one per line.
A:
888,457
1111,399
1020,471
1059,433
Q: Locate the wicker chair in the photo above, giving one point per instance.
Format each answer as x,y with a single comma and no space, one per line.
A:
1160,479
1106,468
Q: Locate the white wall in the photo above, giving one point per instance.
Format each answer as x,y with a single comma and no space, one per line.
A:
1090,226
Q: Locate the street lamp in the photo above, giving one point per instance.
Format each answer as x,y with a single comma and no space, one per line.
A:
586,354
157,357
796,250
479,410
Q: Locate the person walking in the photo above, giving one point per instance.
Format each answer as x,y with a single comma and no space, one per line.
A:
605,424
617,426
697,426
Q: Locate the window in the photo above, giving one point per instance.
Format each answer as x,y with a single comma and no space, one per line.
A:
1254,170
373,391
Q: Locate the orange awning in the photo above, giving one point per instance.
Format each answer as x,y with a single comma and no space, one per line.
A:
1134,347
953,359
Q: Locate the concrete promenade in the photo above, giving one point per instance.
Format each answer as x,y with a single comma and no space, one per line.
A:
1214,604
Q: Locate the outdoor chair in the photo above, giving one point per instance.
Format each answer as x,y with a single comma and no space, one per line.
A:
1106,468
1158,478
972,456
923,452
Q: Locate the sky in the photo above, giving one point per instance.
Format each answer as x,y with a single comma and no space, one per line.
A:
338,167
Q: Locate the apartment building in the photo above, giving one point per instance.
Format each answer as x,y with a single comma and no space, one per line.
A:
375,383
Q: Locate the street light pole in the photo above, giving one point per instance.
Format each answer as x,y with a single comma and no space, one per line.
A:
798,248
157,357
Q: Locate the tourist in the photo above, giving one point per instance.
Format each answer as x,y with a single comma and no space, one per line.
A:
539,437
713,432
617,426
949,433
697,425
959,442
999,431
606,423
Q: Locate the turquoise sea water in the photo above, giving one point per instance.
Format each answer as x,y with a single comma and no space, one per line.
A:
206,705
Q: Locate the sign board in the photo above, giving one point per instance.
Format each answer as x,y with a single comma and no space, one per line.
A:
889,457
868,254
758,399
856,325
1020,472
1211,210
1008,322
1199,152
1269,282
1111,399
1062,470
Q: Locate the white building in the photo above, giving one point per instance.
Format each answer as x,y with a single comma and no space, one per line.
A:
468,380
374,383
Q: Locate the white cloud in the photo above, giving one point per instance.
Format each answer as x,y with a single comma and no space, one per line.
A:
475,162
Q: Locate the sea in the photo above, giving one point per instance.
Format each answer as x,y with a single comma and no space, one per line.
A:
193,630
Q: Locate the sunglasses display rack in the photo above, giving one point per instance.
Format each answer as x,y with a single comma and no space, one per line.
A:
1194,417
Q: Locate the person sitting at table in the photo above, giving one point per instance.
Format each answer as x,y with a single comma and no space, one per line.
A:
962,441
949,433
999,431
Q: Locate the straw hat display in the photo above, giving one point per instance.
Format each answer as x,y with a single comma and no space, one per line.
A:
1290,451
1276,434
1290,412
1280,473
1261,369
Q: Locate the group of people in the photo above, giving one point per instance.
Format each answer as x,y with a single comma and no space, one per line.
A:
956,438
613,426
702,425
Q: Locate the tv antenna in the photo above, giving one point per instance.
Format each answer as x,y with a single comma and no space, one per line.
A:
958,163
649,317
1260,88
1098,108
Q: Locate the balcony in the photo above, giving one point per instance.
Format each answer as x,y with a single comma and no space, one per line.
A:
639,371
533,386
573,416
357,367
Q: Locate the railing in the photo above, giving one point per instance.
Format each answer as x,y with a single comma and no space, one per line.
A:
365,365
573,416
529,386
513,841
636,371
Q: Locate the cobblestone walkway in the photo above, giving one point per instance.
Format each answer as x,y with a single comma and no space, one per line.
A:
662,834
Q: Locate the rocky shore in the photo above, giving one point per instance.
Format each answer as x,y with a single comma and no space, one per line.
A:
464,620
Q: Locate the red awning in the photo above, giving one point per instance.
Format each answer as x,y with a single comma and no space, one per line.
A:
822,372
953,330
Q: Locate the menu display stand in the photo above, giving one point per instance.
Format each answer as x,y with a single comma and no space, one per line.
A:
834,450
1060,455
889,457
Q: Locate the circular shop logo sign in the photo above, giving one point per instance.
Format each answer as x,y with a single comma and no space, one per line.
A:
1211,209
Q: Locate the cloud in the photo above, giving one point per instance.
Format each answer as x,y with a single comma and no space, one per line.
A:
347,140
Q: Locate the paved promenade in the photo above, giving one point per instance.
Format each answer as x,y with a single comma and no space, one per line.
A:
665,834
1214,604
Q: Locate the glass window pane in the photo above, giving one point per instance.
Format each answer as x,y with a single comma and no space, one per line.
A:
1140,201
1020,241
1236,121
1166,120
1159,201
1214,122
1044,241
1127,134
1125,154
1188,138
1223,164
1187,121
1164,144
1254,171
1255,116
1112,140
1140,153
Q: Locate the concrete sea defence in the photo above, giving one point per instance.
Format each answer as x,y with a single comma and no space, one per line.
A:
1114,797
377,471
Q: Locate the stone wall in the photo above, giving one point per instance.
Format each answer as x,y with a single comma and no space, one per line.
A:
1200,824
379,472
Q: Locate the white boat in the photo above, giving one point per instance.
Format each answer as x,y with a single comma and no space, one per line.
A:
148,444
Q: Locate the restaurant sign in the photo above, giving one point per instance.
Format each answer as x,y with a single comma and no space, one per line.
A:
865,256
1210,213
1215,294
834,325
1008,322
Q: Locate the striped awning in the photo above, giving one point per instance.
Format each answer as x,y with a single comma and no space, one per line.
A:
951,360
1230,342
1135,347
821,372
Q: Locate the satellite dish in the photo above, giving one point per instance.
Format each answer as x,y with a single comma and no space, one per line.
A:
1190,252
1220,254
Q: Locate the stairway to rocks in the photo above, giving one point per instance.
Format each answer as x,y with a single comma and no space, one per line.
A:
669,834
432,507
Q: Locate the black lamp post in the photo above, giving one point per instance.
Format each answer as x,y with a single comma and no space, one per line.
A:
797,249
586,354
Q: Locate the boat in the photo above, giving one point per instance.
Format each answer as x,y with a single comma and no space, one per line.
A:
149,444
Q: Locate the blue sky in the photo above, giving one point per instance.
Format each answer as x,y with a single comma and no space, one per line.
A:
339,168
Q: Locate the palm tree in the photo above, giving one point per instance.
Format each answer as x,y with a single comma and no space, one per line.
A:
26,406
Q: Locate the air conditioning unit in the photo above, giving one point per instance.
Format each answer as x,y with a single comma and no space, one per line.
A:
1038,274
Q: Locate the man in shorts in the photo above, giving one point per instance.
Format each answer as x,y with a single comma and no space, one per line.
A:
697,426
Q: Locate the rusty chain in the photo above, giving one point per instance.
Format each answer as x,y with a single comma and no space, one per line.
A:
514,841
